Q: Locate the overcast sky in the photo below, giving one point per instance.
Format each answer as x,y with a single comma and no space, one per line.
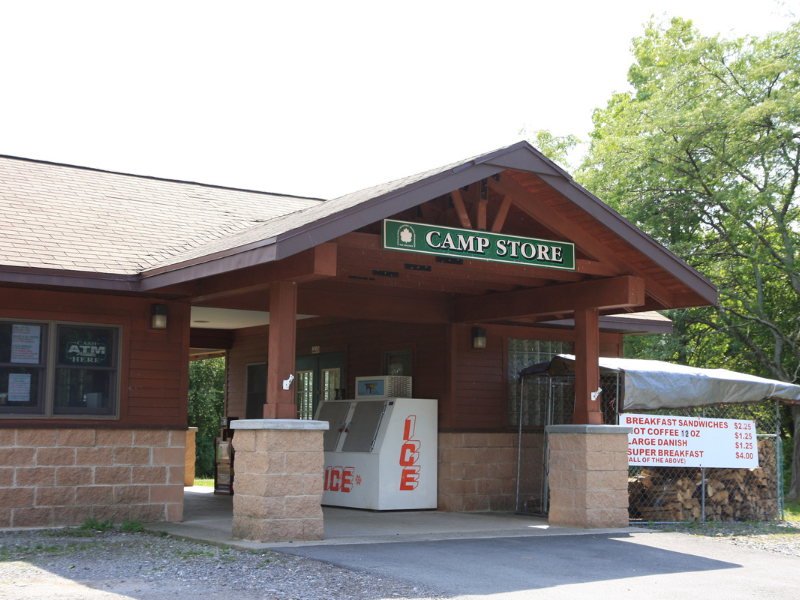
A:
317,98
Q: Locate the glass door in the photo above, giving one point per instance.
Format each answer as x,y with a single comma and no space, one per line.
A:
317,377
304,394
331,381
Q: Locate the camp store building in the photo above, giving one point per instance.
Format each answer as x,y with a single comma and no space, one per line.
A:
459,276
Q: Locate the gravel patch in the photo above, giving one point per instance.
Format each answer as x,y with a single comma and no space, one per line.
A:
72,564
778,537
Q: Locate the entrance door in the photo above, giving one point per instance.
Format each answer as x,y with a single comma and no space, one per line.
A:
317,378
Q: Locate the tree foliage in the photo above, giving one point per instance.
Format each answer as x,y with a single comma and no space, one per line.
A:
704,154
556,148
206,396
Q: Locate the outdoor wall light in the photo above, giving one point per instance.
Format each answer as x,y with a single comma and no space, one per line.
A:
478,338
158,316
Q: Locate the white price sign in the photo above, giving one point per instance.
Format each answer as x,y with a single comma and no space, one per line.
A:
669,441
25,344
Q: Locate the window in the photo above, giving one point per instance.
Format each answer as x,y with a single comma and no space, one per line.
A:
539,393
256,390
304,394
331,381
397,362
23,367
58,369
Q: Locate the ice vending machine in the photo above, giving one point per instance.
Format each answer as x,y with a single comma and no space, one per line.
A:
380,454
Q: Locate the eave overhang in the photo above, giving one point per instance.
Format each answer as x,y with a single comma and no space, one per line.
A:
315,231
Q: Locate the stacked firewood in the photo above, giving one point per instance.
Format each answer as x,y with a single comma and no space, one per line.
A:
675,494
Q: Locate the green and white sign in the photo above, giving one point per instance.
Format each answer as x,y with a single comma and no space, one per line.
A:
477,245
85,346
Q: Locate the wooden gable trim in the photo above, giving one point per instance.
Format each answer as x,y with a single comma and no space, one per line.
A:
584,240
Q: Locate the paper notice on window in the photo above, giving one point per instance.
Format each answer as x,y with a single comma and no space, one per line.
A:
25,343
19,387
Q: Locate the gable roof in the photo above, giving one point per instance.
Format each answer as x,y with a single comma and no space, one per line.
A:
155,232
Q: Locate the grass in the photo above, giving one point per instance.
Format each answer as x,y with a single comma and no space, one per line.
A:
91,524
791,511
134,526
204,482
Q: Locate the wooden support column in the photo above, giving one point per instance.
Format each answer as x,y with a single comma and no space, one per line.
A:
282,334
587,367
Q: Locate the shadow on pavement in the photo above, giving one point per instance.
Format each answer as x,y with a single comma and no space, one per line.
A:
492,566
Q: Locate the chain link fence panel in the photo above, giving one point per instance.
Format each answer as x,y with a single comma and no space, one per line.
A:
655,494
546,400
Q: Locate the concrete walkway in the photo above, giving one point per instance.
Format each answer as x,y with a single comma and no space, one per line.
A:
208,517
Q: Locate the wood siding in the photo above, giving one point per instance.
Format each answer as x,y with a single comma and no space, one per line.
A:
471,385
363,343
154,365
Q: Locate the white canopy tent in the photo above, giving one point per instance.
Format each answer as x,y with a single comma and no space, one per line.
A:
652,384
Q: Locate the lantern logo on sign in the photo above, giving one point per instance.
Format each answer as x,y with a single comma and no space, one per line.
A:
409,457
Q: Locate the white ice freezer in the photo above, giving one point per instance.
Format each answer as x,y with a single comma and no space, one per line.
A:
380,454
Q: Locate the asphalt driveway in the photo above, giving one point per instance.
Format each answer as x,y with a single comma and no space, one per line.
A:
635,565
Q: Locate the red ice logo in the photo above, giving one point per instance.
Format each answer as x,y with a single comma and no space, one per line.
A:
339,479
409,457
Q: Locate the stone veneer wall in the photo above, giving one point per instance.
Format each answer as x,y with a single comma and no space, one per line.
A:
478,471
279,477
52,477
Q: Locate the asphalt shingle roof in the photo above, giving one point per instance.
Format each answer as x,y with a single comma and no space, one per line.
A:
291,221
63,217
73,218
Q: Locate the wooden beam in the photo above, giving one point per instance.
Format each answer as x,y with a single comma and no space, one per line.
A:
418,281
448,404
470,273
530,333
617,292
587,367
199,354
282,341
461,210
502,213
482,214
315,263
218,339
360,305
429,212
593,267
556,223
583,239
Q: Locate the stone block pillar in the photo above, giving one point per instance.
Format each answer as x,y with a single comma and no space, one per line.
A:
278,483
191,450
588,475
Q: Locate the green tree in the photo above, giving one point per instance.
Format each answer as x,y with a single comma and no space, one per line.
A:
704,154
555,147
206,398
